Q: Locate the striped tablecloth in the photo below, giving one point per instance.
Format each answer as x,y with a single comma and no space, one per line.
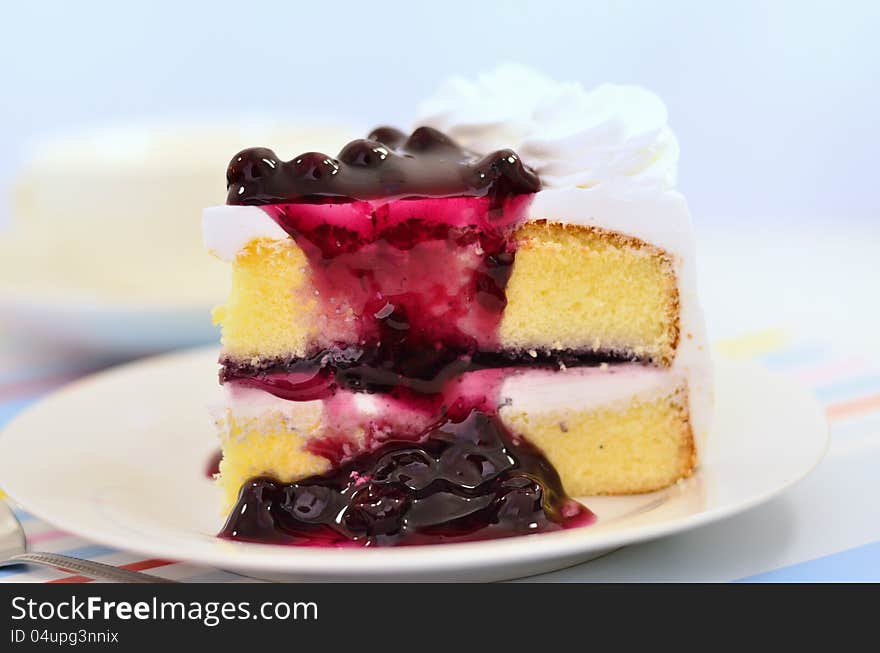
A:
847,383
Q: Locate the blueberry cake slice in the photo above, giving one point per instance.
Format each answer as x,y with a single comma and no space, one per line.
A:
430,339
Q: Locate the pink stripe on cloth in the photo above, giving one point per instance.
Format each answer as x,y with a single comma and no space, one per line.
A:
831,371
36,386
46,536
140,565
852,407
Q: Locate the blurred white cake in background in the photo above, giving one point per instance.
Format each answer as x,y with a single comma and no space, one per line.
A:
105,225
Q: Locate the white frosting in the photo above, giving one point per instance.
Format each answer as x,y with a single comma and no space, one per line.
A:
533,391
587,388
251,403
226,230
570,136
607,159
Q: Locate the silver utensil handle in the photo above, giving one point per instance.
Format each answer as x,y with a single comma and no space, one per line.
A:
87,568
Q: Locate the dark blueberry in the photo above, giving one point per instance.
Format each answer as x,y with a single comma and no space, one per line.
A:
477,428
413,468
251,164
376,510
504,165
387,136
313,165
309,503
427,139
444,508
364,153
252,516
470,467
519,507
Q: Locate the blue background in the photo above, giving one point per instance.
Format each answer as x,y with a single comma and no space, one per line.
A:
775,103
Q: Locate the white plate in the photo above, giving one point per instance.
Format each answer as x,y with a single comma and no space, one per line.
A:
119,458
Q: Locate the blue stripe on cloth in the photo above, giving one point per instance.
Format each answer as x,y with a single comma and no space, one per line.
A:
23,515
10,409
865,426
88,551
14,571
861,564
808,352
849,389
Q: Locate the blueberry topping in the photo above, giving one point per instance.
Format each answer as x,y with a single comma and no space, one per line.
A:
388,163
252,164
428,139
387,136
364,153
313,165
505,167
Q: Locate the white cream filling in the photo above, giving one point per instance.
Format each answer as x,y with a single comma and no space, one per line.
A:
246,404
586,388
532,391
572,136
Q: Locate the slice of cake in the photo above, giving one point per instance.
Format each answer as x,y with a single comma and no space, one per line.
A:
432,338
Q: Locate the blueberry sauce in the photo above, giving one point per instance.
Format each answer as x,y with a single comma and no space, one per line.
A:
463,480
410,275
425,371
387,164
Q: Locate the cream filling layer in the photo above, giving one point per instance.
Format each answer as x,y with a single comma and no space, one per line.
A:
530,391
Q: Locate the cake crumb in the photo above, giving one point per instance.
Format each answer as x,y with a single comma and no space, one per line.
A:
563,427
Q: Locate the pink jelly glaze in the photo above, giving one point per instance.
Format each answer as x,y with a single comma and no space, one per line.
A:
410,273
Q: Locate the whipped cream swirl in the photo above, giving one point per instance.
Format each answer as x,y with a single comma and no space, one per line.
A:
609,135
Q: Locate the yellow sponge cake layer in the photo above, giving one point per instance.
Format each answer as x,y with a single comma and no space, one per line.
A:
618,449
571,287
587,289
264,447
268,314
